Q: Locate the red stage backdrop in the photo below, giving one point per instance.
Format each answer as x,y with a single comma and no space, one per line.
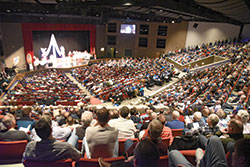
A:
27,29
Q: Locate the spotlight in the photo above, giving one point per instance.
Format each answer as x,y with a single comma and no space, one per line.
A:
195,25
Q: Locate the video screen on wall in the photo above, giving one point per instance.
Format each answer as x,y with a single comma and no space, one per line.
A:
61,49
128,29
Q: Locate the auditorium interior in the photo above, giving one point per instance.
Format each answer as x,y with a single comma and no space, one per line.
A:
173,73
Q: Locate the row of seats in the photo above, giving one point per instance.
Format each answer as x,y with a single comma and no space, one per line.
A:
12,151
84,162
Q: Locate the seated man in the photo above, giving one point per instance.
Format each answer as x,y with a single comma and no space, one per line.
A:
11,134
86,119
175,124
153,134
101,139
211,127
232,134
48,149
197,122
125,126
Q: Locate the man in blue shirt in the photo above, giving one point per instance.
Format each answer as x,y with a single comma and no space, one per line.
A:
175,124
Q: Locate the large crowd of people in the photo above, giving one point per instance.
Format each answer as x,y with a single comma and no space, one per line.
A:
54,132
51,87
5,79
117,80
212,88
191,54
209,106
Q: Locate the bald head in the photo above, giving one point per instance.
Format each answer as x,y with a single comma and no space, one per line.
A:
154,115
206,112
148,111
175,115
197,116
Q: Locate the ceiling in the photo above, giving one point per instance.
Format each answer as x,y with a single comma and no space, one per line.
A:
236,9
100,11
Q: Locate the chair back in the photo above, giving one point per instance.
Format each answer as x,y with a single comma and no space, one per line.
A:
122,146
101,150
61,163
93,162
177,132
163,162
12,151
79,145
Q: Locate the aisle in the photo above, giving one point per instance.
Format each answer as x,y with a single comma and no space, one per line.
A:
77,83
135,101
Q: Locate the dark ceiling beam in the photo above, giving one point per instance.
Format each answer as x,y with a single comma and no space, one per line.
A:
74,7
190,6
37,1
186,6
48,18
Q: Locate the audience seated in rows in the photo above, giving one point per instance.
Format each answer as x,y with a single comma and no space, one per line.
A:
210,92
192,54
117,80
5,79
46,88
154,130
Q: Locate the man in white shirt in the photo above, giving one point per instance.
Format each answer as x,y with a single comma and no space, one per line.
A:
101,140
125,126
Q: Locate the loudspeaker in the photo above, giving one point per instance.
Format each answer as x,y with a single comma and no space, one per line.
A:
195,25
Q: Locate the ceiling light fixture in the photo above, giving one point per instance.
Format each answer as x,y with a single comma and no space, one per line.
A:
127,4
